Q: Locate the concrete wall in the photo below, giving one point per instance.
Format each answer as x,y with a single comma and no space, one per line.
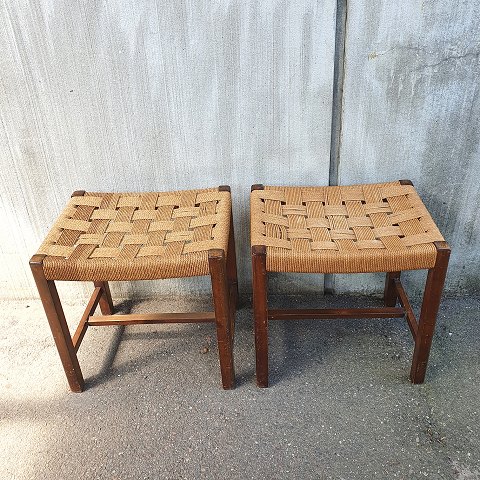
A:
411,109
140,95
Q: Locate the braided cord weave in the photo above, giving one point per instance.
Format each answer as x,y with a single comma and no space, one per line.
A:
129,236
347,229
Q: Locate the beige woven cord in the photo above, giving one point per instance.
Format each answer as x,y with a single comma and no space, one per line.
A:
350,229
130,236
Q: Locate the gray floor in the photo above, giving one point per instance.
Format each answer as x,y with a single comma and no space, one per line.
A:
340,404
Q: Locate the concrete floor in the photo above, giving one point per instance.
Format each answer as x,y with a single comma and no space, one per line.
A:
340,404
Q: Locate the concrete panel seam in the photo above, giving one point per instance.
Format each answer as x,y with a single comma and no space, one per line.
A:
337,107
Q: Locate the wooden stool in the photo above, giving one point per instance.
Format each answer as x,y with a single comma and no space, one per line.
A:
102,237
352,229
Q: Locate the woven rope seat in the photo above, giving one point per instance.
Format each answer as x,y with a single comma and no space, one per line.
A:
348,229
130,236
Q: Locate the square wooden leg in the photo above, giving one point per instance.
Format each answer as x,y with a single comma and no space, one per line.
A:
260,313
232,278
390,294
428,314
220,289
232,262
106,304
56,318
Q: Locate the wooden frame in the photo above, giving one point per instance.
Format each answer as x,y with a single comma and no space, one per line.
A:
422,329
223,274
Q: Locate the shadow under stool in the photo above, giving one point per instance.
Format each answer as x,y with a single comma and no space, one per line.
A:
102,237
347,229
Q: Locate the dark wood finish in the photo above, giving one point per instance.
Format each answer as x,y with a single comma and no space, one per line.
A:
106,303
257,186
224,188
151,318
390,293
260,313
78,193
58,325
329,313
83,325
232,278
406,182
220,289
405,303
232,306
428,314
232,261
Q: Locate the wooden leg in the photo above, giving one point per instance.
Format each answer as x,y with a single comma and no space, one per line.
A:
218,274
260,313
232,278
58,325
106,304
390,294
428,314
232,261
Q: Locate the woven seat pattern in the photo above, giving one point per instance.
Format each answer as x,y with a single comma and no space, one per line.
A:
134,236
347,229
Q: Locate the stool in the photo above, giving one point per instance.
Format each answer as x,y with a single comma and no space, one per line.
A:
350,229
102,237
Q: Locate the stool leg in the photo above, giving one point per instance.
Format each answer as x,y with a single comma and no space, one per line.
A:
390,294
428,314
232,262
56,318
232,278
218,274
260,313
106,304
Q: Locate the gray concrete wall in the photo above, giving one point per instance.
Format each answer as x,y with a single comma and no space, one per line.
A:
411,109
139,95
